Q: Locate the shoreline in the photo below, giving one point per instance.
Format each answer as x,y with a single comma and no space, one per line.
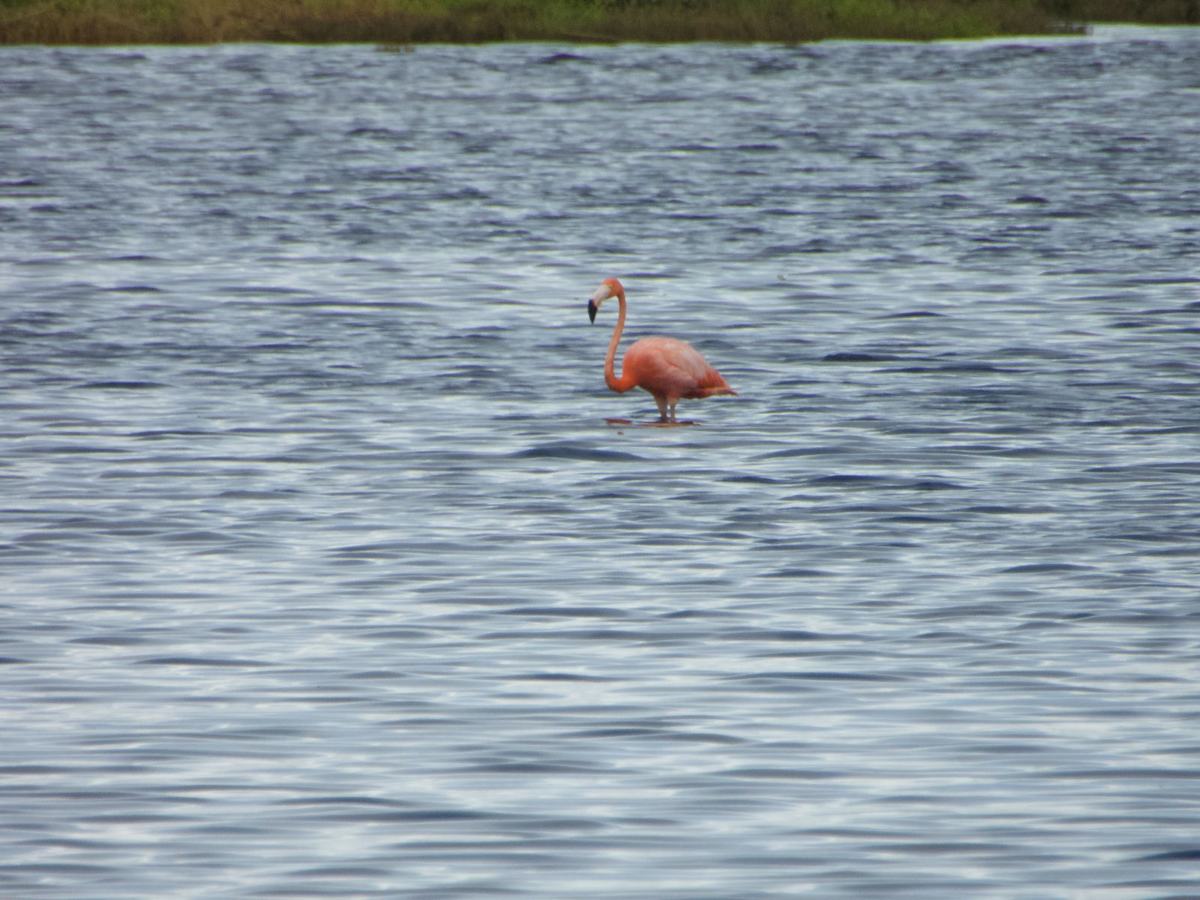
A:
411,22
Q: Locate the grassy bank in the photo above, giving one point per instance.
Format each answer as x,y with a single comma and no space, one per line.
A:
423,21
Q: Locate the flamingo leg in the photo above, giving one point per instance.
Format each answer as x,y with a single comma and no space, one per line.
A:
661,403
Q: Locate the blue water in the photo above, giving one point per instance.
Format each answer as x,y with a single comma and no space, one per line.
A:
322,573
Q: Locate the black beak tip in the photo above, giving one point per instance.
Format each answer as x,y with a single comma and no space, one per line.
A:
592,311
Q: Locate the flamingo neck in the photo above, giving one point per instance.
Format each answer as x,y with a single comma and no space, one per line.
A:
620,385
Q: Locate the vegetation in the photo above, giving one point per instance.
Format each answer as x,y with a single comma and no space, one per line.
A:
458,21
1156,12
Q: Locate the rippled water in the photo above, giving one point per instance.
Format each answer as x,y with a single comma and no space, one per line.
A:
325,576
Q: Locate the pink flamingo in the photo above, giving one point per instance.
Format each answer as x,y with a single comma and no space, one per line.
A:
668,369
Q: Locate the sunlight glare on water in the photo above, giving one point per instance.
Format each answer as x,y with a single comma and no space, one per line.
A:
326,576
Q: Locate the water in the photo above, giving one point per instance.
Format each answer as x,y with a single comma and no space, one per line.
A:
325,576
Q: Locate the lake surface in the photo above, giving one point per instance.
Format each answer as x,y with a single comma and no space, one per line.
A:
324,575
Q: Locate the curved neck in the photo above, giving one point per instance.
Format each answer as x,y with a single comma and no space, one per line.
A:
610,361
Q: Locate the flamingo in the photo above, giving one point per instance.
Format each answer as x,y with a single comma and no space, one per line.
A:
668,369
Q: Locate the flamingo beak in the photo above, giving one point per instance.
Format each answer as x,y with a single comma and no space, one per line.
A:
601,294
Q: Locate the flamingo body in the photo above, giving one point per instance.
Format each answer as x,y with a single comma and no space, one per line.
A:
668,369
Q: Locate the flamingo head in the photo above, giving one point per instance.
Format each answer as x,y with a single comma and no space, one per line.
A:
609,287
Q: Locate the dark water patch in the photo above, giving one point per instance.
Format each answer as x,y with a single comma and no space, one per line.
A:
785,774
433,816
930,484
815,450
915,314
596,635
799,572
1133,773
208,661
573,451
1160,537
122,385
528,768
365,872
68,450
1044,568
198,537
791,677
848,356
918,519
865,482
955,368
565,612
782,634
113,640
135,289
1185,855
342,800
390,550
562,57
624,731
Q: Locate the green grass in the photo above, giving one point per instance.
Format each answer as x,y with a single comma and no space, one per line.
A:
471,21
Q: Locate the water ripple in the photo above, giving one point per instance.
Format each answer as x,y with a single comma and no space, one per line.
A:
332,568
